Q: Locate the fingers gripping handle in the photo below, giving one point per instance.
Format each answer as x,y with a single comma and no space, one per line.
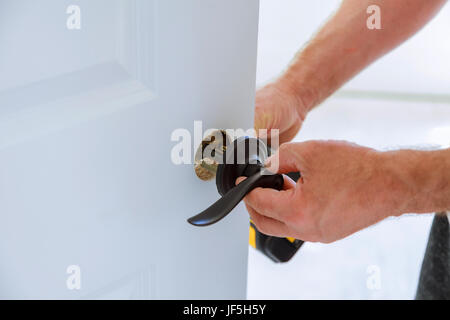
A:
230,200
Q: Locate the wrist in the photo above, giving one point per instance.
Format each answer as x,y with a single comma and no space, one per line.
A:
305,97
419,180
396,168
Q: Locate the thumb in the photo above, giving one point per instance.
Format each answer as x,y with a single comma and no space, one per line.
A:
285,160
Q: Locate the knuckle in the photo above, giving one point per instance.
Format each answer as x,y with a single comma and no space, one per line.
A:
255,219
261,226
263,229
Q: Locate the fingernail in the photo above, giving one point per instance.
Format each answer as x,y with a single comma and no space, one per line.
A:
272,163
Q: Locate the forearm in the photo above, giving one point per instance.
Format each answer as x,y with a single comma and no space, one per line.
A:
420,180
344,46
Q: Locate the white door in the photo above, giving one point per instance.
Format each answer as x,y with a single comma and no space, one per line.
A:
91,205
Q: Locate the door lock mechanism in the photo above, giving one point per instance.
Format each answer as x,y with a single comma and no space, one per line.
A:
226,161
242,158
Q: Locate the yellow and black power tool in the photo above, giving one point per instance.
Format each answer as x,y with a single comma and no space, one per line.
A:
226,161
277,249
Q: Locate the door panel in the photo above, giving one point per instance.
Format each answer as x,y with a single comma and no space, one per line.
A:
86,117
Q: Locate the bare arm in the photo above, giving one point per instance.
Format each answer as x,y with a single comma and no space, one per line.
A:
424,177
345,45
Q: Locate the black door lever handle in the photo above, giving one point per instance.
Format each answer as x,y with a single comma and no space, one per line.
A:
253,152
230,200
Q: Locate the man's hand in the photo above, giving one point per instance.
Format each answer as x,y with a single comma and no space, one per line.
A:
344,188
278,107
